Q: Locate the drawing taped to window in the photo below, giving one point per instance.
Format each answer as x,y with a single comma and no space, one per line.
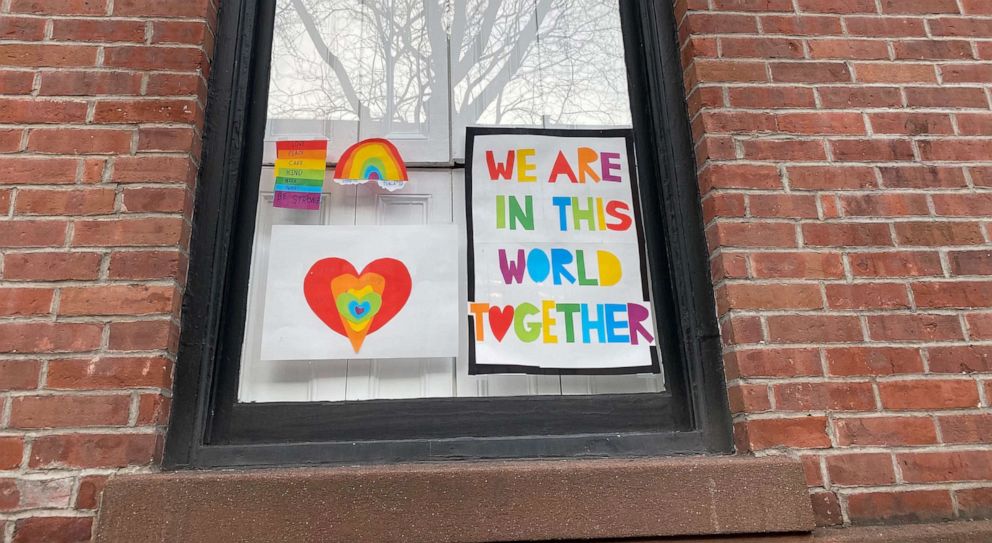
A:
419,71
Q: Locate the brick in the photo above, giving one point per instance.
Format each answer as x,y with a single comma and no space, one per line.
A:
144,57
798,206
109,373
721,23
784,150
742,234
161,8
15,82
919,6
93,450
801,25
145,111
808,432
728,266
860,97
974,503
954,150
865,469
759,296
921,177
11,451
22,302
974,124
723,205
900,506
741,330
976,7
947,294
761,48
821,123
831,177
753,5
36,111
981,176
153,169
90,489
847,6
966,73
32,233
885,430
183,32
826,509
971,27
867,296
847,396
973,358
155,199
938,467
888,72
813,328
893,27
916,327
810,72
933,50
65,202
846,234
61,529
29,170
965,428
89,83
166,139
971,262
69,411
883,205
797,265
59,7
79,141
47,56
171,84
773,363
51,266
98,30
963,205
141,335
872,150
22,28
128,232
153,409
43,337
946,97
116,300
928,394
980,325
19,374
848,49
856,361
771,97
144,265
938,233
10,495
748,398
911,123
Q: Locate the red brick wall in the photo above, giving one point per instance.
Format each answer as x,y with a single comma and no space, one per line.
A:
101,107
845,159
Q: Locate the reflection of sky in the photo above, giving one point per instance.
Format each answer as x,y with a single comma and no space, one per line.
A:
569,72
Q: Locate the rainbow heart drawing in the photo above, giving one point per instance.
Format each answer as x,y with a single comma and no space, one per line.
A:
357,304
374,159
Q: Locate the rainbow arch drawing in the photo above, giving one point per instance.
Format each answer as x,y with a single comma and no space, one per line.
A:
374,159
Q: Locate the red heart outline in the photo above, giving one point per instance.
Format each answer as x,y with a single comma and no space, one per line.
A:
500,320
317,289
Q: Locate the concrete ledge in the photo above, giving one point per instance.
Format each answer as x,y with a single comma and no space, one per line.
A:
946,532
462,502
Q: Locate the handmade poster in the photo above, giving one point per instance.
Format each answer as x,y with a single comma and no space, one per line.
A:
557,280
374,159
299,170
350,292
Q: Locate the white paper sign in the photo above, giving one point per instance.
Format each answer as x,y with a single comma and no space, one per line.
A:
558,282
350,292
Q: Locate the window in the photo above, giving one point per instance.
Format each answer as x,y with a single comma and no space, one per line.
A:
419,73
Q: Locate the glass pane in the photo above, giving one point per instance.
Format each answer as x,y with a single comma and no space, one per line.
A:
419,72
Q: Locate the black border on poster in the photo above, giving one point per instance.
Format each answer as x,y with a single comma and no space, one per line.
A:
474,368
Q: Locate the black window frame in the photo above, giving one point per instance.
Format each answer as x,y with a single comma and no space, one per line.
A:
208,428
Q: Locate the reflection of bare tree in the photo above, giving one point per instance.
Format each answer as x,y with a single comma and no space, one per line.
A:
512,61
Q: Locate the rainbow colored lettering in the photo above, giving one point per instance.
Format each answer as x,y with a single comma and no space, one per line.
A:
300,169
